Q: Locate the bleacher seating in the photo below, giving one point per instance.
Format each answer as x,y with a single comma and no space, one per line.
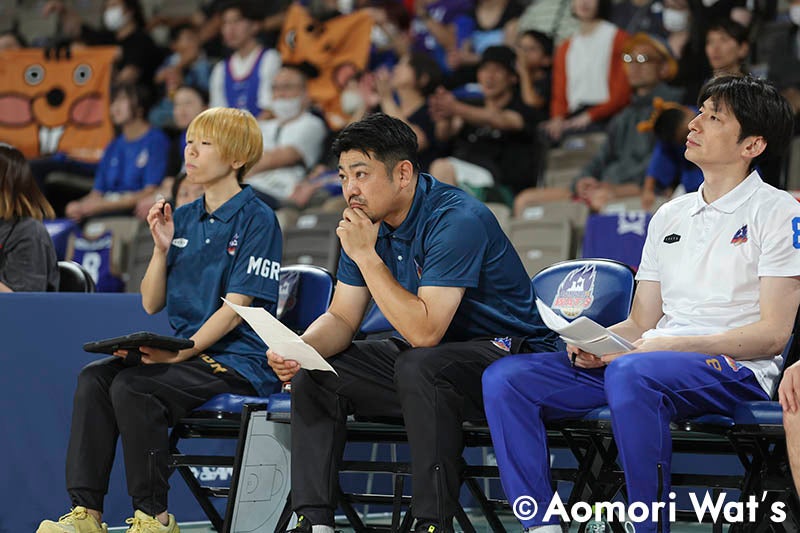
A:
541,243
313,241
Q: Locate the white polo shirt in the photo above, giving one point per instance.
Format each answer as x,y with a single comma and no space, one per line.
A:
709,258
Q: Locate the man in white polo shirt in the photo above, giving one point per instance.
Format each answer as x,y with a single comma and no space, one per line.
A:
718,289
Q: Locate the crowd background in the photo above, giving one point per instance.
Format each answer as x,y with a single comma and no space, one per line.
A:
548,110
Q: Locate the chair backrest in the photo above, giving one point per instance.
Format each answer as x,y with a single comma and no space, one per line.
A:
305,293
313,241
74,278
601,289
375,323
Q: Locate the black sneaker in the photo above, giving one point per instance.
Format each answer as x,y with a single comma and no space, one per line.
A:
303,525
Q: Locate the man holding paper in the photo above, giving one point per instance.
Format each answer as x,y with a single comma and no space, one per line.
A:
718,289
444,274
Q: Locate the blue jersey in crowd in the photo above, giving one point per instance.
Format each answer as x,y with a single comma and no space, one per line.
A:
235,249
133,165
450,239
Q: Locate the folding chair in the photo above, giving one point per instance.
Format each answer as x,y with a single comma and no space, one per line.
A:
306,292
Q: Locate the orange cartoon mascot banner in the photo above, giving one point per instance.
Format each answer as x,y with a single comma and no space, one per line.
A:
338,48
56,102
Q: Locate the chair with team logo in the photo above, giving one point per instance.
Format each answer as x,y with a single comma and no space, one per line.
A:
305,293
600,289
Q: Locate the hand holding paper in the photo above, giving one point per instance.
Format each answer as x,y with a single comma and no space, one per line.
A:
584,333
281,339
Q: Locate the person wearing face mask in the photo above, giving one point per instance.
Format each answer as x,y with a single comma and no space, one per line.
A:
123,25
293,140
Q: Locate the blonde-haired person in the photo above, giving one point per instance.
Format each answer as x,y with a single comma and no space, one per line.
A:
27,256
203,251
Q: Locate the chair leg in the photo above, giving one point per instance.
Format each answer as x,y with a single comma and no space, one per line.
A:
350,513
197,491
286,515
486,508
463,519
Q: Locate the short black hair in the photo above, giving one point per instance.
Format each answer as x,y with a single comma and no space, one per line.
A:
542,38
202,93
424,65
666,126
731,28
175,32
758,107
390,140
141,96
249,9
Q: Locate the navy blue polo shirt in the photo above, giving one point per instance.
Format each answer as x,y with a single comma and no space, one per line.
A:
450,239
237,248
133,165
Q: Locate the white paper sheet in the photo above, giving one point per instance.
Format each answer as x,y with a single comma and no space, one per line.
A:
281,339
583,332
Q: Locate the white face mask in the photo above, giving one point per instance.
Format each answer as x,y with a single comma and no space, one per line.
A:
675,19
114,18
286,108
351,101
794,14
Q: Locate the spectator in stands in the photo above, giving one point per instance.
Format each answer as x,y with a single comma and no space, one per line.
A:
618,168
441,26
448,280
589,81
139,403
718,289
534,62
185,191
189,101
495,24
244,79
493,139
727,48
187,65
784,62
27,256
404,94
124,25
11,40
639,16
293,140
133,164
668,170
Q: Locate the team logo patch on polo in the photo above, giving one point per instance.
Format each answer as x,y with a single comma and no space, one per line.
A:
234,242
418,269
575,294
740,236
672,238
733,363
180,242
504,343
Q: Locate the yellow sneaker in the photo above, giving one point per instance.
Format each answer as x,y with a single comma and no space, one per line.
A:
75,521
144,523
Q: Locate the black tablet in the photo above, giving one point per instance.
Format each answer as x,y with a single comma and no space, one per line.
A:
134,340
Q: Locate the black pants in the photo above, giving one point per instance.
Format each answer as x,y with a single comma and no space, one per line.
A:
432,389
138,404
